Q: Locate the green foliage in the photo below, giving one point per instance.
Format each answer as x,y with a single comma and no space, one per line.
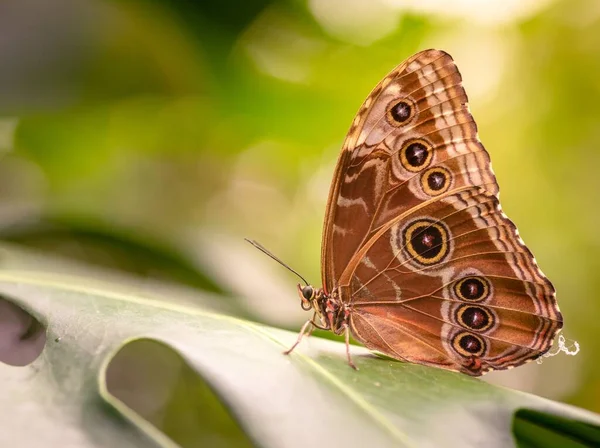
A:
121,369
134,133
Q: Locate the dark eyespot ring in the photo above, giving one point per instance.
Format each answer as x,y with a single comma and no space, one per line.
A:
426,241
474,318
468,344
400,112
436,180
472,288
415,155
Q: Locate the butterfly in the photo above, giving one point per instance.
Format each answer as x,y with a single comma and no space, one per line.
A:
419,262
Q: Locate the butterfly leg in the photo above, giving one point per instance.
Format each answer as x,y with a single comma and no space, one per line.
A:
347,336
306,329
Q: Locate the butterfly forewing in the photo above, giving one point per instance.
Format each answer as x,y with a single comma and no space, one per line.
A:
415,239
382,162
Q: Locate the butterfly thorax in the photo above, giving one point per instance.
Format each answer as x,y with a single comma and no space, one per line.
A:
328,308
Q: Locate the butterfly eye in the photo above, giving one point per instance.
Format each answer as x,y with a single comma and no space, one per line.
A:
308,292
400,112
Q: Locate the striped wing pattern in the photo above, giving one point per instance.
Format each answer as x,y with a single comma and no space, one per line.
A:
415,241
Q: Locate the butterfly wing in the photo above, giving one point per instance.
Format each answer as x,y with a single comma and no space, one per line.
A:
415,239
370,186
451,284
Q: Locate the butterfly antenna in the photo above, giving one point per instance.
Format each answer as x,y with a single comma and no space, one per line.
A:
266,252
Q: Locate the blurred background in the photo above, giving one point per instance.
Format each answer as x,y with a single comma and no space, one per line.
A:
152,136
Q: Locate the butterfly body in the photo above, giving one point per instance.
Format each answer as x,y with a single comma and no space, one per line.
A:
418,260
331,312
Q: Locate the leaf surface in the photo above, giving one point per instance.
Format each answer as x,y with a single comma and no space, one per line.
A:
124,369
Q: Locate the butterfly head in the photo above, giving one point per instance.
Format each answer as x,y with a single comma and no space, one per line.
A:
307,295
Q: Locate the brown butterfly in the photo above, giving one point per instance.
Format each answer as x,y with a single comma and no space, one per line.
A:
418,260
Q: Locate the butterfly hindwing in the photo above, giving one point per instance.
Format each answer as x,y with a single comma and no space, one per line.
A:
414,232
455,270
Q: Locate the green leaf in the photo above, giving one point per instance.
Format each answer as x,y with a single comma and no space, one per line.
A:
122,369
537,429
114,248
